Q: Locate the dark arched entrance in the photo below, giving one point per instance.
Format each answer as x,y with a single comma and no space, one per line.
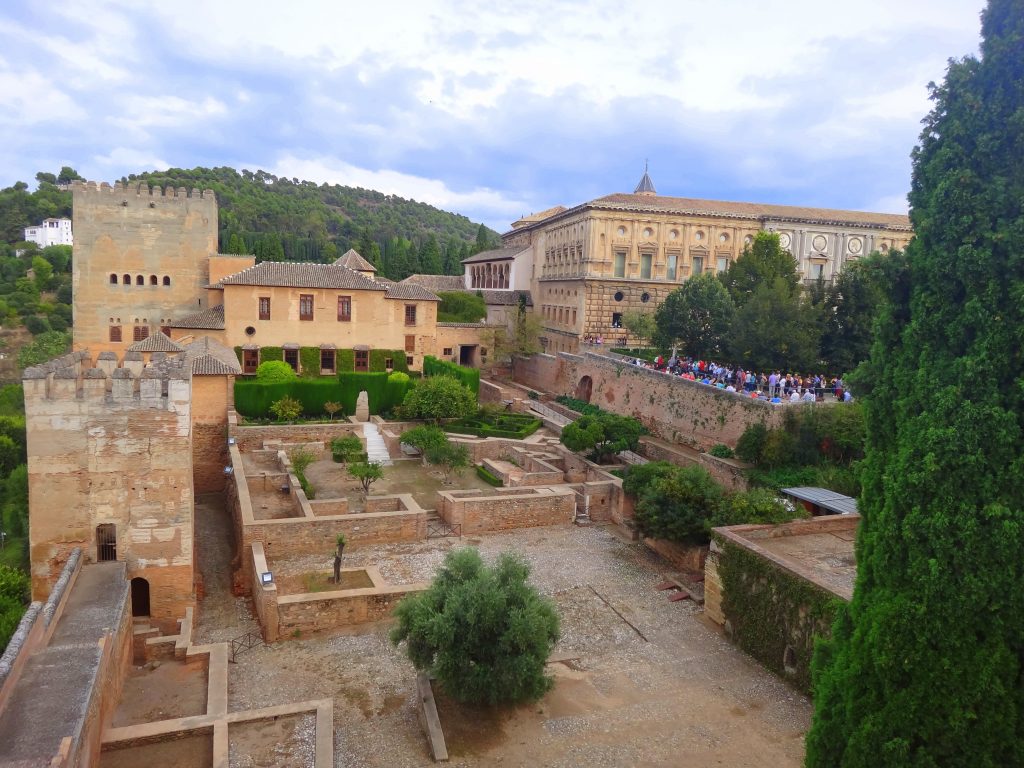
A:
140,597
583,389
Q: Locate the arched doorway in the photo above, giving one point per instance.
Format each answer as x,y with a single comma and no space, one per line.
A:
140,597
584,388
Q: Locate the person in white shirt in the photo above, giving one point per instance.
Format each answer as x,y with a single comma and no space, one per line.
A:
808,396
794,397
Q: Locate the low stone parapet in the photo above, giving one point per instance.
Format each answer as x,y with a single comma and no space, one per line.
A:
507,508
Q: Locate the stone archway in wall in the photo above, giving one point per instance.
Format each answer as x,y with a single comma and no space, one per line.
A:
584,389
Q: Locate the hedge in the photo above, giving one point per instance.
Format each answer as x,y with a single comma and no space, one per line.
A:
345,359
487,477
254,399
470,377
516,426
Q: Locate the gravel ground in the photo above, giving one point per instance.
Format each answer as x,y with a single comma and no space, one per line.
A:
670,692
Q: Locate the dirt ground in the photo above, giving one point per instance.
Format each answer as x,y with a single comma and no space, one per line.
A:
188,752
667,691
404,476
172,689
320,581
286,742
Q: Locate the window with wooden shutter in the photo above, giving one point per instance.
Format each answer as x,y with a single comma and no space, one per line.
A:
264,307
344,309
305,306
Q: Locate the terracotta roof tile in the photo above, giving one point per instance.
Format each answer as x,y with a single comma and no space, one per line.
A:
437,283
498,254
353,260
288,274
158,342
211,319
409,291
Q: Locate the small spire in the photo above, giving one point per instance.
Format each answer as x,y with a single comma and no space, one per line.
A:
646,186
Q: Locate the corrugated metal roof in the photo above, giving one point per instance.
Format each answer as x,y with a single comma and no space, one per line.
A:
824,498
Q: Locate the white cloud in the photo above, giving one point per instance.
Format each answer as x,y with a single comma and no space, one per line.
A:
28,98
122,160
483,201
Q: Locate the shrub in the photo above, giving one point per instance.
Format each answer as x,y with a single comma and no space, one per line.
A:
301,458
533,395
679,506
460,307
424,437
750,446
470,377
439,397
274,372
759,505
286,409
722,451
346,448
640,476
580,406
605,434
366,472
483,632
451,457
37,325
331,408
14,596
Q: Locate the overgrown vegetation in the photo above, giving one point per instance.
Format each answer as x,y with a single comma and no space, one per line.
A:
437,398
482,631
347,448
301,458
487,476
14,598
603,435
460,307
924,667
468,377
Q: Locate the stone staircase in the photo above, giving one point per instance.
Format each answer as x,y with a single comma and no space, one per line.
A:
376,449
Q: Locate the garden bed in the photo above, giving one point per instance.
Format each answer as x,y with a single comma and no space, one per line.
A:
512,425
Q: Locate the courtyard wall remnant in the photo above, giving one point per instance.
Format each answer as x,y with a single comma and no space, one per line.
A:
507,508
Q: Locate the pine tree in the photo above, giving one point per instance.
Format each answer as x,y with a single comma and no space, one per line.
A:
925,666
430,257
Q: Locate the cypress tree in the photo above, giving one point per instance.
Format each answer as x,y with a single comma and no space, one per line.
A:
925,665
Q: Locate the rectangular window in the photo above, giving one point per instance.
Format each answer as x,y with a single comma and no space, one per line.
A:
574,317
388,363
723,264
344,309
264,307
616,319
410,314
670,270
408,360
327,360
410,343
620,263
291,356
250,360
817,271
140,333
698,264
115,333
645,265
362,360
305,306
447,352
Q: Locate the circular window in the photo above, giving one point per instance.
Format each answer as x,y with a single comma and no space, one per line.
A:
645,297
622,231
618,296
723,238
648,232
698,235
673,234
250,331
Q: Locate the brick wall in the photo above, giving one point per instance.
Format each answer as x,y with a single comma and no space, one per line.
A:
326,610
674,409
480,511
685,557
210,398
252,438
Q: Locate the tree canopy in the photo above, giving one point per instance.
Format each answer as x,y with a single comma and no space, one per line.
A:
482,631
439,397
604,434
697,315
924,667
762,263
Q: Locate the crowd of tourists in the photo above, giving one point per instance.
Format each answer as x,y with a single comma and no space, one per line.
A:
775,387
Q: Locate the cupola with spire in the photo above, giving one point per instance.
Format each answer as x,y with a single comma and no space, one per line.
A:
646,186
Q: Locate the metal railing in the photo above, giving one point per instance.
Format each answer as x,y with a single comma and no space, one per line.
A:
244,642
439,529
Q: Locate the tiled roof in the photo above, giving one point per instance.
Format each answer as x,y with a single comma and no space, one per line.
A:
409,291
533,218
158,342
437,282
211,358
462,325
693,206
211,319
303,275
506,298
353,260
498,254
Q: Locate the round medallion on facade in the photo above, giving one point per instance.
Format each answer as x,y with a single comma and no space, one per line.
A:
621,231
250,331
648,232
645,297
819,242
673,234
618,296
784,240
723,238
856,245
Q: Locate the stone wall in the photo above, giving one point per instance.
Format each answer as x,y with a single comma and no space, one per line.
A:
727,472
674,409
506,509
110,442
685,557
252,438
318,611
211,398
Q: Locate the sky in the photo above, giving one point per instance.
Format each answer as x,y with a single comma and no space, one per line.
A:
484,111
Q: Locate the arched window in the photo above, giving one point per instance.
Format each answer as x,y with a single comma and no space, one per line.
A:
140,597
140,280
113,279
167,280
127,279
152,280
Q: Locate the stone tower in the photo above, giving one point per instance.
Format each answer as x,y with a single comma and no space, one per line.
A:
141,258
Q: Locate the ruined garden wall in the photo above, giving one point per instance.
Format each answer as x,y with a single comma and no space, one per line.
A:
727,472
252,438
674,409
502,510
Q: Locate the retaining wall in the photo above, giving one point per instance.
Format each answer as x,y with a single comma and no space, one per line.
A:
508,508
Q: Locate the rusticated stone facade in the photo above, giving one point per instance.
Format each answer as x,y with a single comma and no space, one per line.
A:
110,471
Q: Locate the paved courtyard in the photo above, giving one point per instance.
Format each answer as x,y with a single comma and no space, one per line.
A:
667,691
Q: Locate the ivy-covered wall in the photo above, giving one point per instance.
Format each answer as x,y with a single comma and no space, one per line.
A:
345,359
774,615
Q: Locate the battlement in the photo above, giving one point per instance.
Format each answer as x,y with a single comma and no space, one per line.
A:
164,383
140,191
